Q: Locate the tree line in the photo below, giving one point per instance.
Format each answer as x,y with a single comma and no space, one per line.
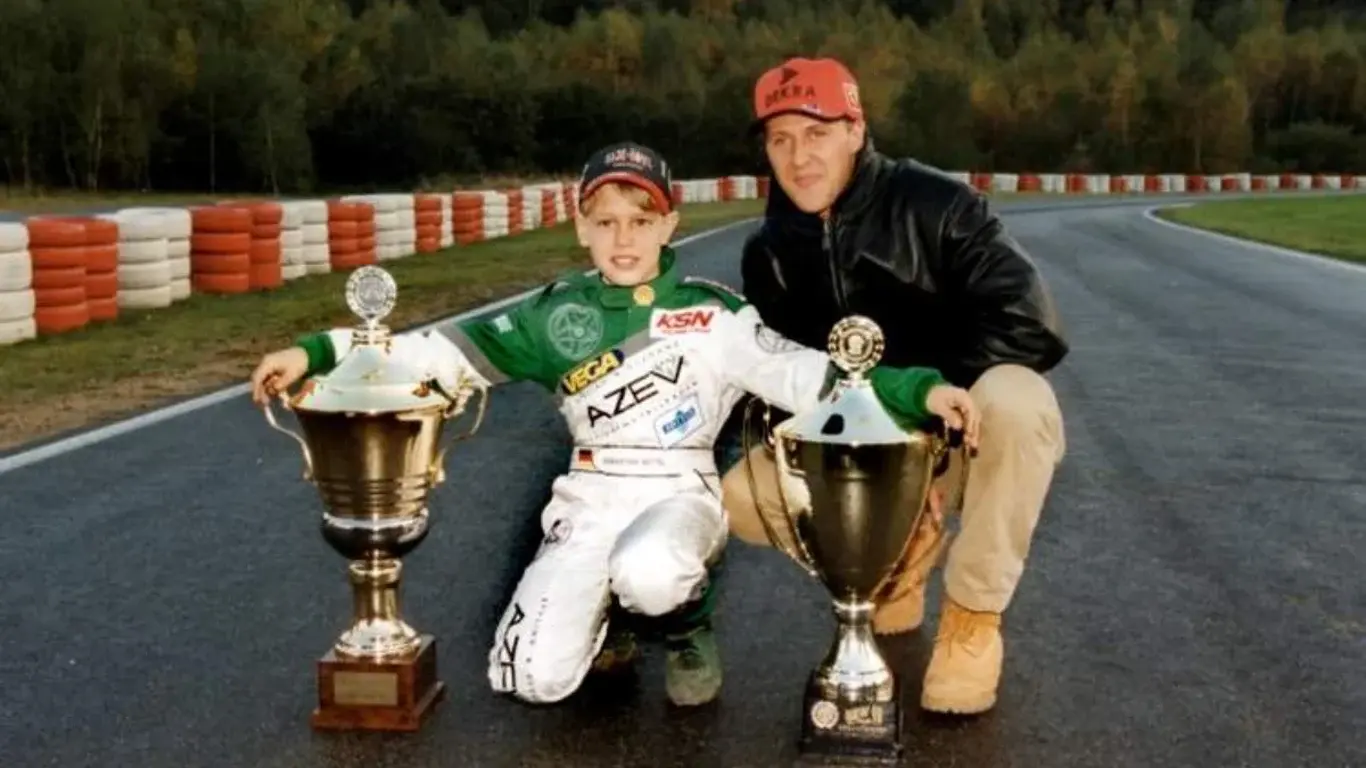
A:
287,96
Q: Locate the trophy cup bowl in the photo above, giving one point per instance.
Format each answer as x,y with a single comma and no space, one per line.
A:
372,446
853,486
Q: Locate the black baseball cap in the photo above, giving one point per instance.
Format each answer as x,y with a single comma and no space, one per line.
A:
629,163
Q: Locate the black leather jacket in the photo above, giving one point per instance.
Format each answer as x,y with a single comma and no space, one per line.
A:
919,253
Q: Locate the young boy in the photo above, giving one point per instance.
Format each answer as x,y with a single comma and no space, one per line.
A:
645,367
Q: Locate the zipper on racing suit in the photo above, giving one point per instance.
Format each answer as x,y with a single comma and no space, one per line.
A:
828,247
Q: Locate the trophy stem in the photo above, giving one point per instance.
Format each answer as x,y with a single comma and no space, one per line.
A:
377,630
854,670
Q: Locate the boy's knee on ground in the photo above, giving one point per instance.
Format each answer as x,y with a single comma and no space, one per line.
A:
651,577
547,676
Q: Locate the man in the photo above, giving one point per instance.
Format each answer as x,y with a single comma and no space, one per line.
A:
850,231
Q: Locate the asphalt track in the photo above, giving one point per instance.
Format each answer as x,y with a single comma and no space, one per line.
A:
1194,598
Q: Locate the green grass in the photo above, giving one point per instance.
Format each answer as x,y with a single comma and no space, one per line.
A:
72,380
1329,225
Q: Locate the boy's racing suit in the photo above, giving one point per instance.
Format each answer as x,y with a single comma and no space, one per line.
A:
645,378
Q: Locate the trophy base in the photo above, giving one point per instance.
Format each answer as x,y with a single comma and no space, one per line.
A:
365,695
839,733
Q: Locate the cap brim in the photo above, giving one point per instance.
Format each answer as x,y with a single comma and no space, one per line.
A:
662,198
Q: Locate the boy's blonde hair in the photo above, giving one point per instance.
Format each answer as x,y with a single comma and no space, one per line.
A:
638,197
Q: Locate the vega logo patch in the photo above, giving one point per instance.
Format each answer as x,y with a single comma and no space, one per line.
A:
665,323
576,380
677,424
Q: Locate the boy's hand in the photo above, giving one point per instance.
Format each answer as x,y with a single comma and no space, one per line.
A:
276,372
954,405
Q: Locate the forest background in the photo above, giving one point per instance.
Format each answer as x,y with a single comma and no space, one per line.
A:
294,96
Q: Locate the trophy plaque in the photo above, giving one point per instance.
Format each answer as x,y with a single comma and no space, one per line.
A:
853,486
372,446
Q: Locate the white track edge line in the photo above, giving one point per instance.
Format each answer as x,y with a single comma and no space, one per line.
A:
100,434
1327,261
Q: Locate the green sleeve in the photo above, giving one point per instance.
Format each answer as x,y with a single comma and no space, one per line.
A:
903,391
322,356
502,349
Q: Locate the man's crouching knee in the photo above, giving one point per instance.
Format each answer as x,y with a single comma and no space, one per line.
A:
548,673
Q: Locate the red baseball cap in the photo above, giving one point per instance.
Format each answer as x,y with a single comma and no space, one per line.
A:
821,88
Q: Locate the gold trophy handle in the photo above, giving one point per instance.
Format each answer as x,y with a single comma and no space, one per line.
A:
275,425
457,403
796,551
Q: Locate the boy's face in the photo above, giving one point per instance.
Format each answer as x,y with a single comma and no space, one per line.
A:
623,235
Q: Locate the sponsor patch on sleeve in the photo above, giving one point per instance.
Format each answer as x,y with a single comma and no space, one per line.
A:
675,322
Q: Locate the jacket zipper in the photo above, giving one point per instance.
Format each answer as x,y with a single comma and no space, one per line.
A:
828,246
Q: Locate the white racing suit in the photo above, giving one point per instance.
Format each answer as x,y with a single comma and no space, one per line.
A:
638,513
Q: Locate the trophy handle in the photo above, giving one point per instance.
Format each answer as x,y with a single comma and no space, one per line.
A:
275,425
457,403
797,551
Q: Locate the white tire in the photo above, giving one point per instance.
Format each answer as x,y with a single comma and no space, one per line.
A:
16,271
143,251
13,236
178,248
294,271
314,234
318,267
292,238
177,223
145,298
180,289
144,277
17,305
15,331
317,253
180,268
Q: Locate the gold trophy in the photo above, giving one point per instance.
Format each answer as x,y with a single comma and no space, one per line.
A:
372,444
853,486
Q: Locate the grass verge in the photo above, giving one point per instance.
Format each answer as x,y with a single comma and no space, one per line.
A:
58,383
1330,225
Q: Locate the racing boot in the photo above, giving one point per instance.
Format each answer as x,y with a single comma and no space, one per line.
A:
619,651
904,610
965,667
692,665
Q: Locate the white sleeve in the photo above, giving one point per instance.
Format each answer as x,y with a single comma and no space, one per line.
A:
763,362
429,353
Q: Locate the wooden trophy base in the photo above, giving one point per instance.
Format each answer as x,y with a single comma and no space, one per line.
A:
357,694
836,733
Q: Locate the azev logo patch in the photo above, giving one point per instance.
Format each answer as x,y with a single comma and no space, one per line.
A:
679,321
576,380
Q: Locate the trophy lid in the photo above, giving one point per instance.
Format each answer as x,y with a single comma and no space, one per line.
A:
850,414
371,378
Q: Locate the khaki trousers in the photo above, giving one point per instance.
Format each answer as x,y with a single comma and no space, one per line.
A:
1021,443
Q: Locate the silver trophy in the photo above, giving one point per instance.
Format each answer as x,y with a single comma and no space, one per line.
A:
853,486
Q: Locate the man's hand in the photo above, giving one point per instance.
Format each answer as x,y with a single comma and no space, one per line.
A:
276,372
954,405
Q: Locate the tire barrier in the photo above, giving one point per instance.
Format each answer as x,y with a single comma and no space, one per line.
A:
63,273
17,301
350,235
145,274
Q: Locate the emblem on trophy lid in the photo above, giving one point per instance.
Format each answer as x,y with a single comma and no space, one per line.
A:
371,294
856,344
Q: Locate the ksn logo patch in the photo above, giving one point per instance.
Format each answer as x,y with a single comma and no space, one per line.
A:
680,321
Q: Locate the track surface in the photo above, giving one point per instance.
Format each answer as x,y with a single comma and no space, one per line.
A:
1194,597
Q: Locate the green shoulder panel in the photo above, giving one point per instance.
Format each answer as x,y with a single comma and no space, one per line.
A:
699,288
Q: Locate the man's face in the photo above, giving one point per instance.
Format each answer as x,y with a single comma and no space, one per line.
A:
812,159
624,235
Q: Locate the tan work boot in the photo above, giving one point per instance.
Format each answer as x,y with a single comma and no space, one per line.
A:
905,609
965,668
